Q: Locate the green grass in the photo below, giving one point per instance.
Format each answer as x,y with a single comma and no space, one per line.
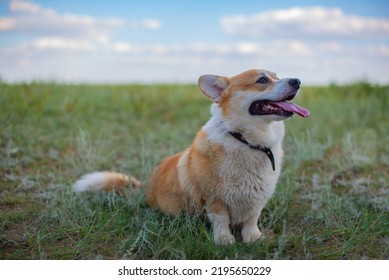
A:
332,201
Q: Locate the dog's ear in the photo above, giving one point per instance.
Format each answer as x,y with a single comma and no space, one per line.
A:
213,86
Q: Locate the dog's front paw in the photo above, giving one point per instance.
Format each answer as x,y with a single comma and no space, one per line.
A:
224,239
250,234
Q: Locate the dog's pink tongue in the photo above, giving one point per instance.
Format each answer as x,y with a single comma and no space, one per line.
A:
294,108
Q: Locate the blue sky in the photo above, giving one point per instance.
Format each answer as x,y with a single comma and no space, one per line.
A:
177,41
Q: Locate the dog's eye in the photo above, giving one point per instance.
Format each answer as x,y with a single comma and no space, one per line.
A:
262,80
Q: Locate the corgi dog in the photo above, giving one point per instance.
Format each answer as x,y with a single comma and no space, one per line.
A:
231,169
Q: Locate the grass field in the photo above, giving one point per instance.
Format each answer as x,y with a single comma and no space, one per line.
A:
332,200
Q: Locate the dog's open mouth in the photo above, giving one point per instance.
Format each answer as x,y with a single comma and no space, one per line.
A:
280,108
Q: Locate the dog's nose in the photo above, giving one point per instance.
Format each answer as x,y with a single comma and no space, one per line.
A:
295,83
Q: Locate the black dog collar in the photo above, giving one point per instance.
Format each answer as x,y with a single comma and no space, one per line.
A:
266,150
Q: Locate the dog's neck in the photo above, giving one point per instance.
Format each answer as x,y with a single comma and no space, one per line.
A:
265,138
266,150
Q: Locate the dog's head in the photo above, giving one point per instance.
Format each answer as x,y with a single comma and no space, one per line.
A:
254,94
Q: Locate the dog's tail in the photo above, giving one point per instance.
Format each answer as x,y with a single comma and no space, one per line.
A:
106,181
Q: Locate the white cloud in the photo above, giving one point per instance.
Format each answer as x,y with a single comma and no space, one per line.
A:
306,23
153,24
244,49
6,24
31,18
62,44
24,6
381,50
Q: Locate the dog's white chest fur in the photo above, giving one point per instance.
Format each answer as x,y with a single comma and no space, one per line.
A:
248,180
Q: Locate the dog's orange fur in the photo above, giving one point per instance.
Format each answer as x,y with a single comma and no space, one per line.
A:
119,182
164,190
